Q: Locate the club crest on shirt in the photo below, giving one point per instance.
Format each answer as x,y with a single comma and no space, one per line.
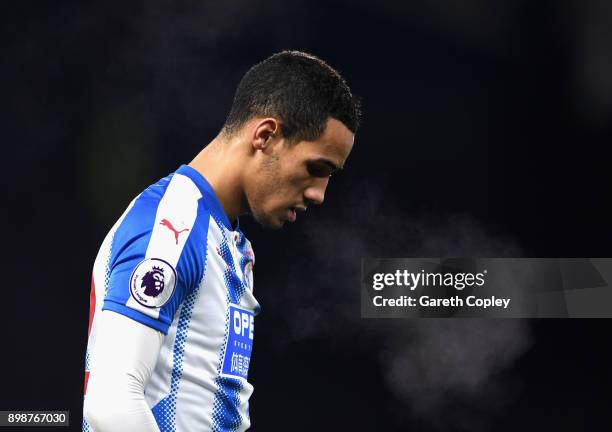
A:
248,274
152,282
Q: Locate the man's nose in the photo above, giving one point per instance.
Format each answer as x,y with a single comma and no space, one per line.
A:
315,193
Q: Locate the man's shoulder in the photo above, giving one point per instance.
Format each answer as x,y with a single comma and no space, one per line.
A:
173,203
175,188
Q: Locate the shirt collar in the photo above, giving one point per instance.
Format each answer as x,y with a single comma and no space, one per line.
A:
208,193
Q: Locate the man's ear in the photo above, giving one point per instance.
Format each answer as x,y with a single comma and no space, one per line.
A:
264,132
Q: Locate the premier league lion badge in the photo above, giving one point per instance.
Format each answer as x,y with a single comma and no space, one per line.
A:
152,282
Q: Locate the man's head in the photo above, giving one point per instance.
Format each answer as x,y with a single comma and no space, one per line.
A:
298,118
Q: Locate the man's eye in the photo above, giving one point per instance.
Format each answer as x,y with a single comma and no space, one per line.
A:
316,170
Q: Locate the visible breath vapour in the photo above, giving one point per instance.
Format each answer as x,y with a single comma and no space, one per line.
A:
459,367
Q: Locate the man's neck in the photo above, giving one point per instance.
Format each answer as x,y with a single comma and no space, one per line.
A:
219,164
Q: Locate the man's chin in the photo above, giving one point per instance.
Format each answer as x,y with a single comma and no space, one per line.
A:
269,222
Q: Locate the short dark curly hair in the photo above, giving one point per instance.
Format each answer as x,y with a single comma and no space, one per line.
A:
300,90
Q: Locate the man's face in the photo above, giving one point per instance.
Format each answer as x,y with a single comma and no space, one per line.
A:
291,176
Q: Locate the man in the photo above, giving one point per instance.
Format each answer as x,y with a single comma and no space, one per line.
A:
172,306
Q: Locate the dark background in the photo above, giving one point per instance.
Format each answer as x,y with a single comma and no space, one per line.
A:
485,133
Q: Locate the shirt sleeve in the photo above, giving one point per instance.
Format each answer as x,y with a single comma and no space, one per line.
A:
122,362
157,253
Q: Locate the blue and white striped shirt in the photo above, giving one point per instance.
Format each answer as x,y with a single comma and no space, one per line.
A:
173,262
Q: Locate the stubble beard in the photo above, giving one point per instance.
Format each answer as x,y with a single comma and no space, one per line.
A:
269,187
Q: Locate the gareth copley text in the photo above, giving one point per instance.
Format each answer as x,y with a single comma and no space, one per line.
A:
456,301
413,280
